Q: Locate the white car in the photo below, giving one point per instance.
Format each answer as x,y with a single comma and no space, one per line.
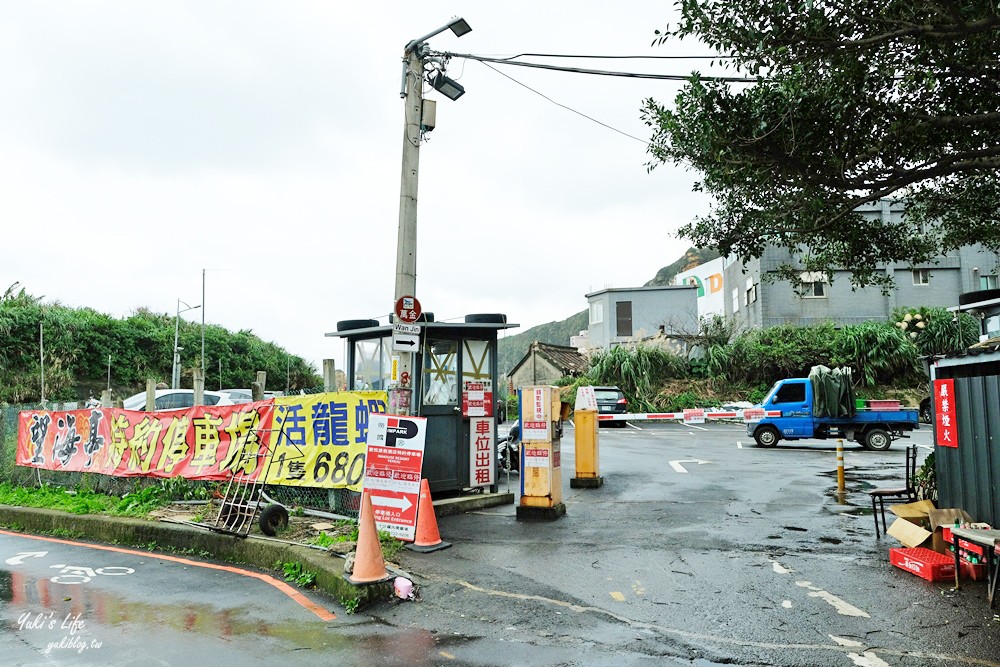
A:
238,395
175,399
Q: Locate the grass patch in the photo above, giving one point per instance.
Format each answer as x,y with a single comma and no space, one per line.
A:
136,503
296,574
347,531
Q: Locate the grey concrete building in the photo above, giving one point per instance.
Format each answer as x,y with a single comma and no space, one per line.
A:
627,315
757,303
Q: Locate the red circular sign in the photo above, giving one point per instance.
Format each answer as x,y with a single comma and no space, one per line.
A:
407,309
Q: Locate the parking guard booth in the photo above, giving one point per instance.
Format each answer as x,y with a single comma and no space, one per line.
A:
454,388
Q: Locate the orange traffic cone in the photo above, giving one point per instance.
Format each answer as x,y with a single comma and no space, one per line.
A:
369,566
428,538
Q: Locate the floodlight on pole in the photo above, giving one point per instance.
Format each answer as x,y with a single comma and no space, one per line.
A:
448,87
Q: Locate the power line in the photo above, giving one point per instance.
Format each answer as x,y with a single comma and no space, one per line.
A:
558,104
579,70
562,55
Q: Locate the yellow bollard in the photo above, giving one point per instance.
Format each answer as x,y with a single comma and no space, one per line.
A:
587,451
840,467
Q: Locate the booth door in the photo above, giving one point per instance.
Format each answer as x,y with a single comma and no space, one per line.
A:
444,459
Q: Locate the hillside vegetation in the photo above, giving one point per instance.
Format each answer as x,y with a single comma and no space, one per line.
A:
79,341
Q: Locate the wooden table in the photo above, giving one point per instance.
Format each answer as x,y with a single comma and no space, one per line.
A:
987,539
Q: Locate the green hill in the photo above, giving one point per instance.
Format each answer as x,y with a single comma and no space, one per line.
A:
512,349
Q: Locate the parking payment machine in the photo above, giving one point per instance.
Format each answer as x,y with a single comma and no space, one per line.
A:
541,454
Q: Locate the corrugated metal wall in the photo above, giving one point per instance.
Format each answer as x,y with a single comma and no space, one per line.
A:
969,476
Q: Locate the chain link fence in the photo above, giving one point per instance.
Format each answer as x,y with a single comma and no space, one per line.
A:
343,502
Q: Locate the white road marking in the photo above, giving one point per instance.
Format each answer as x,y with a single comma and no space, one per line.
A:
700,428
676,465
843,608
787,604
19,558
867,659
631,425
739,445
843,641
779,568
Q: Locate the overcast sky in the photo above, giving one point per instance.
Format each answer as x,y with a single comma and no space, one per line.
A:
141,142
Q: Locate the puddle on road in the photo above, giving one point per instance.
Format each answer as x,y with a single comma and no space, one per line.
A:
33,599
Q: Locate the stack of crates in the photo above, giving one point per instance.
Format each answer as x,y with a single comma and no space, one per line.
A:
971,557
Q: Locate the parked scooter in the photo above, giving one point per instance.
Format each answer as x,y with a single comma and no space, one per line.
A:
509,449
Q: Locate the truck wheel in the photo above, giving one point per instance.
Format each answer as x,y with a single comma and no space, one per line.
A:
766,436
273,519
878,440
925,411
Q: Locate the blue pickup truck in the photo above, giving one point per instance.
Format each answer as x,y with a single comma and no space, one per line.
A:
794,399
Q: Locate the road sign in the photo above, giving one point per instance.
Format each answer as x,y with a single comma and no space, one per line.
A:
393,466
404,328
407,309
405,342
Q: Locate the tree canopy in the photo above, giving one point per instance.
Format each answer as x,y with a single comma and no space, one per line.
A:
846,102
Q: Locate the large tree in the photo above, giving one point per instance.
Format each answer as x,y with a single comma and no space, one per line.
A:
845,102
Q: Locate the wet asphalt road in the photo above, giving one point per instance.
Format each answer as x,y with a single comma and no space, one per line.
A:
748,558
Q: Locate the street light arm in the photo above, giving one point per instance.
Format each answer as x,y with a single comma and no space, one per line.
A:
457,26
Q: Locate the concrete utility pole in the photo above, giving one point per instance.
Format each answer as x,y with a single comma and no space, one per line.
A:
406,242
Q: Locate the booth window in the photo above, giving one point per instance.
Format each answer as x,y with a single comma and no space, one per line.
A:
440,373
476,365
372,363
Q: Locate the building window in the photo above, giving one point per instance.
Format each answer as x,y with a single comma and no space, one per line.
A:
750,296
623,316
921,276
987,282
596,313
814,290
814,285
736,299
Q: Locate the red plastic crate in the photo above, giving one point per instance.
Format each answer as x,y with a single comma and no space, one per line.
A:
883,405
924,563
974,571
969,546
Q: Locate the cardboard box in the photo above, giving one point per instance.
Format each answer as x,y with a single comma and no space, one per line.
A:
917,512
924,563
920,524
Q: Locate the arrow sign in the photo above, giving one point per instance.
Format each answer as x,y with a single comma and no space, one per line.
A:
676,465
399,503
19,559
404,342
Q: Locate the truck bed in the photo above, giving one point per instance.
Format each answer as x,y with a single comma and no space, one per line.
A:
865,416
